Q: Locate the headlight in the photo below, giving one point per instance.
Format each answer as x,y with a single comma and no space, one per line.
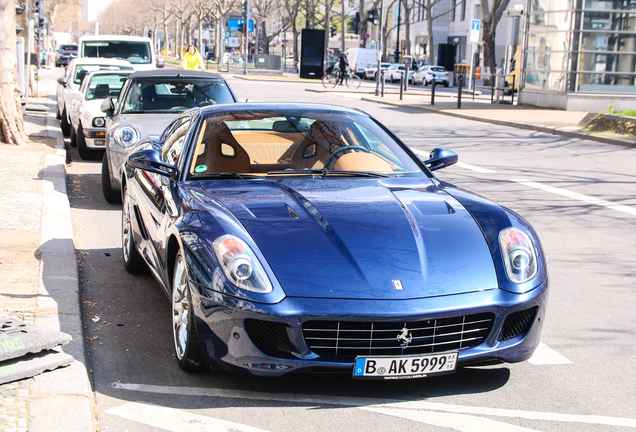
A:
99,122
240,265
518,255
127,136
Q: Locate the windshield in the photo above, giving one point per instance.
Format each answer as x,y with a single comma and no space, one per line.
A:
134,52
82,70
174,95
104,85
298,143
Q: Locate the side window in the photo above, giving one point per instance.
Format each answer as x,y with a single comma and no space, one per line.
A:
173,145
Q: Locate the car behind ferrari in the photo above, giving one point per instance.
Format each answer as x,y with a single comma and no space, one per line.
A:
309,237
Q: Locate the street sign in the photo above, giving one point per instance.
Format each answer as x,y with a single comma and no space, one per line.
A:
474,30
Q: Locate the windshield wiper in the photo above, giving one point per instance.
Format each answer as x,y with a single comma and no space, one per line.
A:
325,172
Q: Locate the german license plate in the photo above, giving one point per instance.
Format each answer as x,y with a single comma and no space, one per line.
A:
405,367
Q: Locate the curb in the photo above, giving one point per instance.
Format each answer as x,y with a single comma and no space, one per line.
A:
520,125
61,399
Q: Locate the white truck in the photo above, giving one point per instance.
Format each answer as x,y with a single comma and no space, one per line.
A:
361,58
134,49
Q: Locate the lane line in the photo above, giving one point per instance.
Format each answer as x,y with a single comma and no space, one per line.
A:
459,422
378,403
176,420
544,355
578,196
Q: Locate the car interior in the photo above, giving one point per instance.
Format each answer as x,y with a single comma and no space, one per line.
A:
284,144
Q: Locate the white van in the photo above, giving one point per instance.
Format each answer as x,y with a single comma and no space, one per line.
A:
361,58
138,51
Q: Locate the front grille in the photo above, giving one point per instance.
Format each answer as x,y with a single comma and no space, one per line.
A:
517,323
269,337
350,339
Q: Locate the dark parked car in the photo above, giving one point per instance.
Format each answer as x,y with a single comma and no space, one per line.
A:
296,237
64,54
148,101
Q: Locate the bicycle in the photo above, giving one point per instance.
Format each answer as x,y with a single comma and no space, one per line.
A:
330,80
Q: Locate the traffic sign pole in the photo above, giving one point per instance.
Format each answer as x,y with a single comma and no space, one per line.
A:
474,38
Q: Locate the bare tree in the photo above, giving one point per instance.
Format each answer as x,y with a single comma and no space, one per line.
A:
292,8
201,9
264,10
490,17
221,8
11,122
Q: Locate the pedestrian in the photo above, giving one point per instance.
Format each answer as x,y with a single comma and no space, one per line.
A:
192,59
344,64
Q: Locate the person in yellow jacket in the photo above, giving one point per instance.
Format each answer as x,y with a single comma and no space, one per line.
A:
192,59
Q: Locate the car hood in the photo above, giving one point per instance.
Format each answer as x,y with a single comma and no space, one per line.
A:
147,124
362,239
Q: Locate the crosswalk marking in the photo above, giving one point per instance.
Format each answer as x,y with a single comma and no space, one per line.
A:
544,355
175,420
379,403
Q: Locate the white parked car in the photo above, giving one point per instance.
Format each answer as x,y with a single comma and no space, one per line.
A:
369,72
88,123
394,72
70,82
135,49
425,75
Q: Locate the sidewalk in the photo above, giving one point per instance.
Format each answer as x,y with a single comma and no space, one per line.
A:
39,274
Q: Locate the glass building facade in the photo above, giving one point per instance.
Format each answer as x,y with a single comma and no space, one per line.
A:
581,46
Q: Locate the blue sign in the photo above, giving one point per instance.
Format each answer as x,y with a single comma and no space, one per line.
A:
475,25
233,24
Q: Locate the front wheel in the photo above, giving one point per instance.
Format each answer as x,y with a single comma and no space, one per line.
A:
83,150
111,195
329,81
133,262
186,340
353,82
65,125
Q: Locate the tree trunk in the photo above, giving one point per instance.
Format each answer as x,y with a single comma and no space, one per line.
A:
430,49
11,122
363,24
488,39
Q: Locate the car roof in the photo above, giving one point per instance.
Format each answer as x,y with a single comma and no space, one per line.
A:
256,107
115,38
173,73
98,61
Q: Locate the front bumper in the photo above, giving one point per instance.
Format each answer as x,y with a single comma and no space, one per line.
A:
225,339
95,138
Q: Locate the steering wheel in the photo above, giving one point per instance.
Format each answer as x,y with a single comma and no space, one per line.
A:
333,154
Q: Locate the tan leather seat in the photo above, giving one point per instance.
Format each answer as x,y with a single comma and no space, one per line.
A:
312,152
221,152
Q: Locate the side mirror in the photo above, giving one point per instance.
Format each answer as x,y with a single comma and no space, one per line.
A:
108,106
441,158
150,160
161,62
61,80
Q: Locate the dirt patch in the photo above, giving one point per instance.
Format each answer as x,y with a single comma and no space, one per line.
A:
614,124
35,144
19,268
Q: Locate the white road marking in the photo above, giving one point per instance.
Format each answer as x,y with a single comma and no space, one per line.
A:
379,403
175,420
544,355
459,422
580,197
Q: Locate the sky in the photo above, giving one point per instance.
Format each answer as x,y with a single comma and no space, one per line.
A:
95,7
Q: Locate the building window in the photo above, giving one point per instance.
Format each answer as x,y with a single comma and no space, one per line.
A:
453,6
463,12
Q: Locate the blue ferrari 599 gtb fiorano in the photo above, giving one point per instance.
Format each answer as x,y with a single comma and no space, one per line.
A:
308,237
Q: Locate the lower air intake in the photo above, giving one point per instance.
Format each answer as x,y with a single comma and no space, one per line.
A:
517,324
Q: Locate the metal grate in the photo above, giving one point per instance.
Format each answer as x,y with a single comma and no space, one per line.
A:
349,339
517,323
269,337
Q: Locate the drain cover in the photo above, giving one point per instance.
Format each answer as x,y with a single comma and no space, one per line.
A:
18,338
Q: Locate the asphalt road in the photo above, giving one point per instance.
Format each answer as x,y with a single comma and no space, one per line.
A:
580,197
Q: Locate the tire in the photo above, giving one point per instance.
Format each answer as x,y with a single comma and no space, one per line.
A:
186,340
64,124
57,112
353,82
73,138
445,83
133,263
329,81
424,82
84,152
111,195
